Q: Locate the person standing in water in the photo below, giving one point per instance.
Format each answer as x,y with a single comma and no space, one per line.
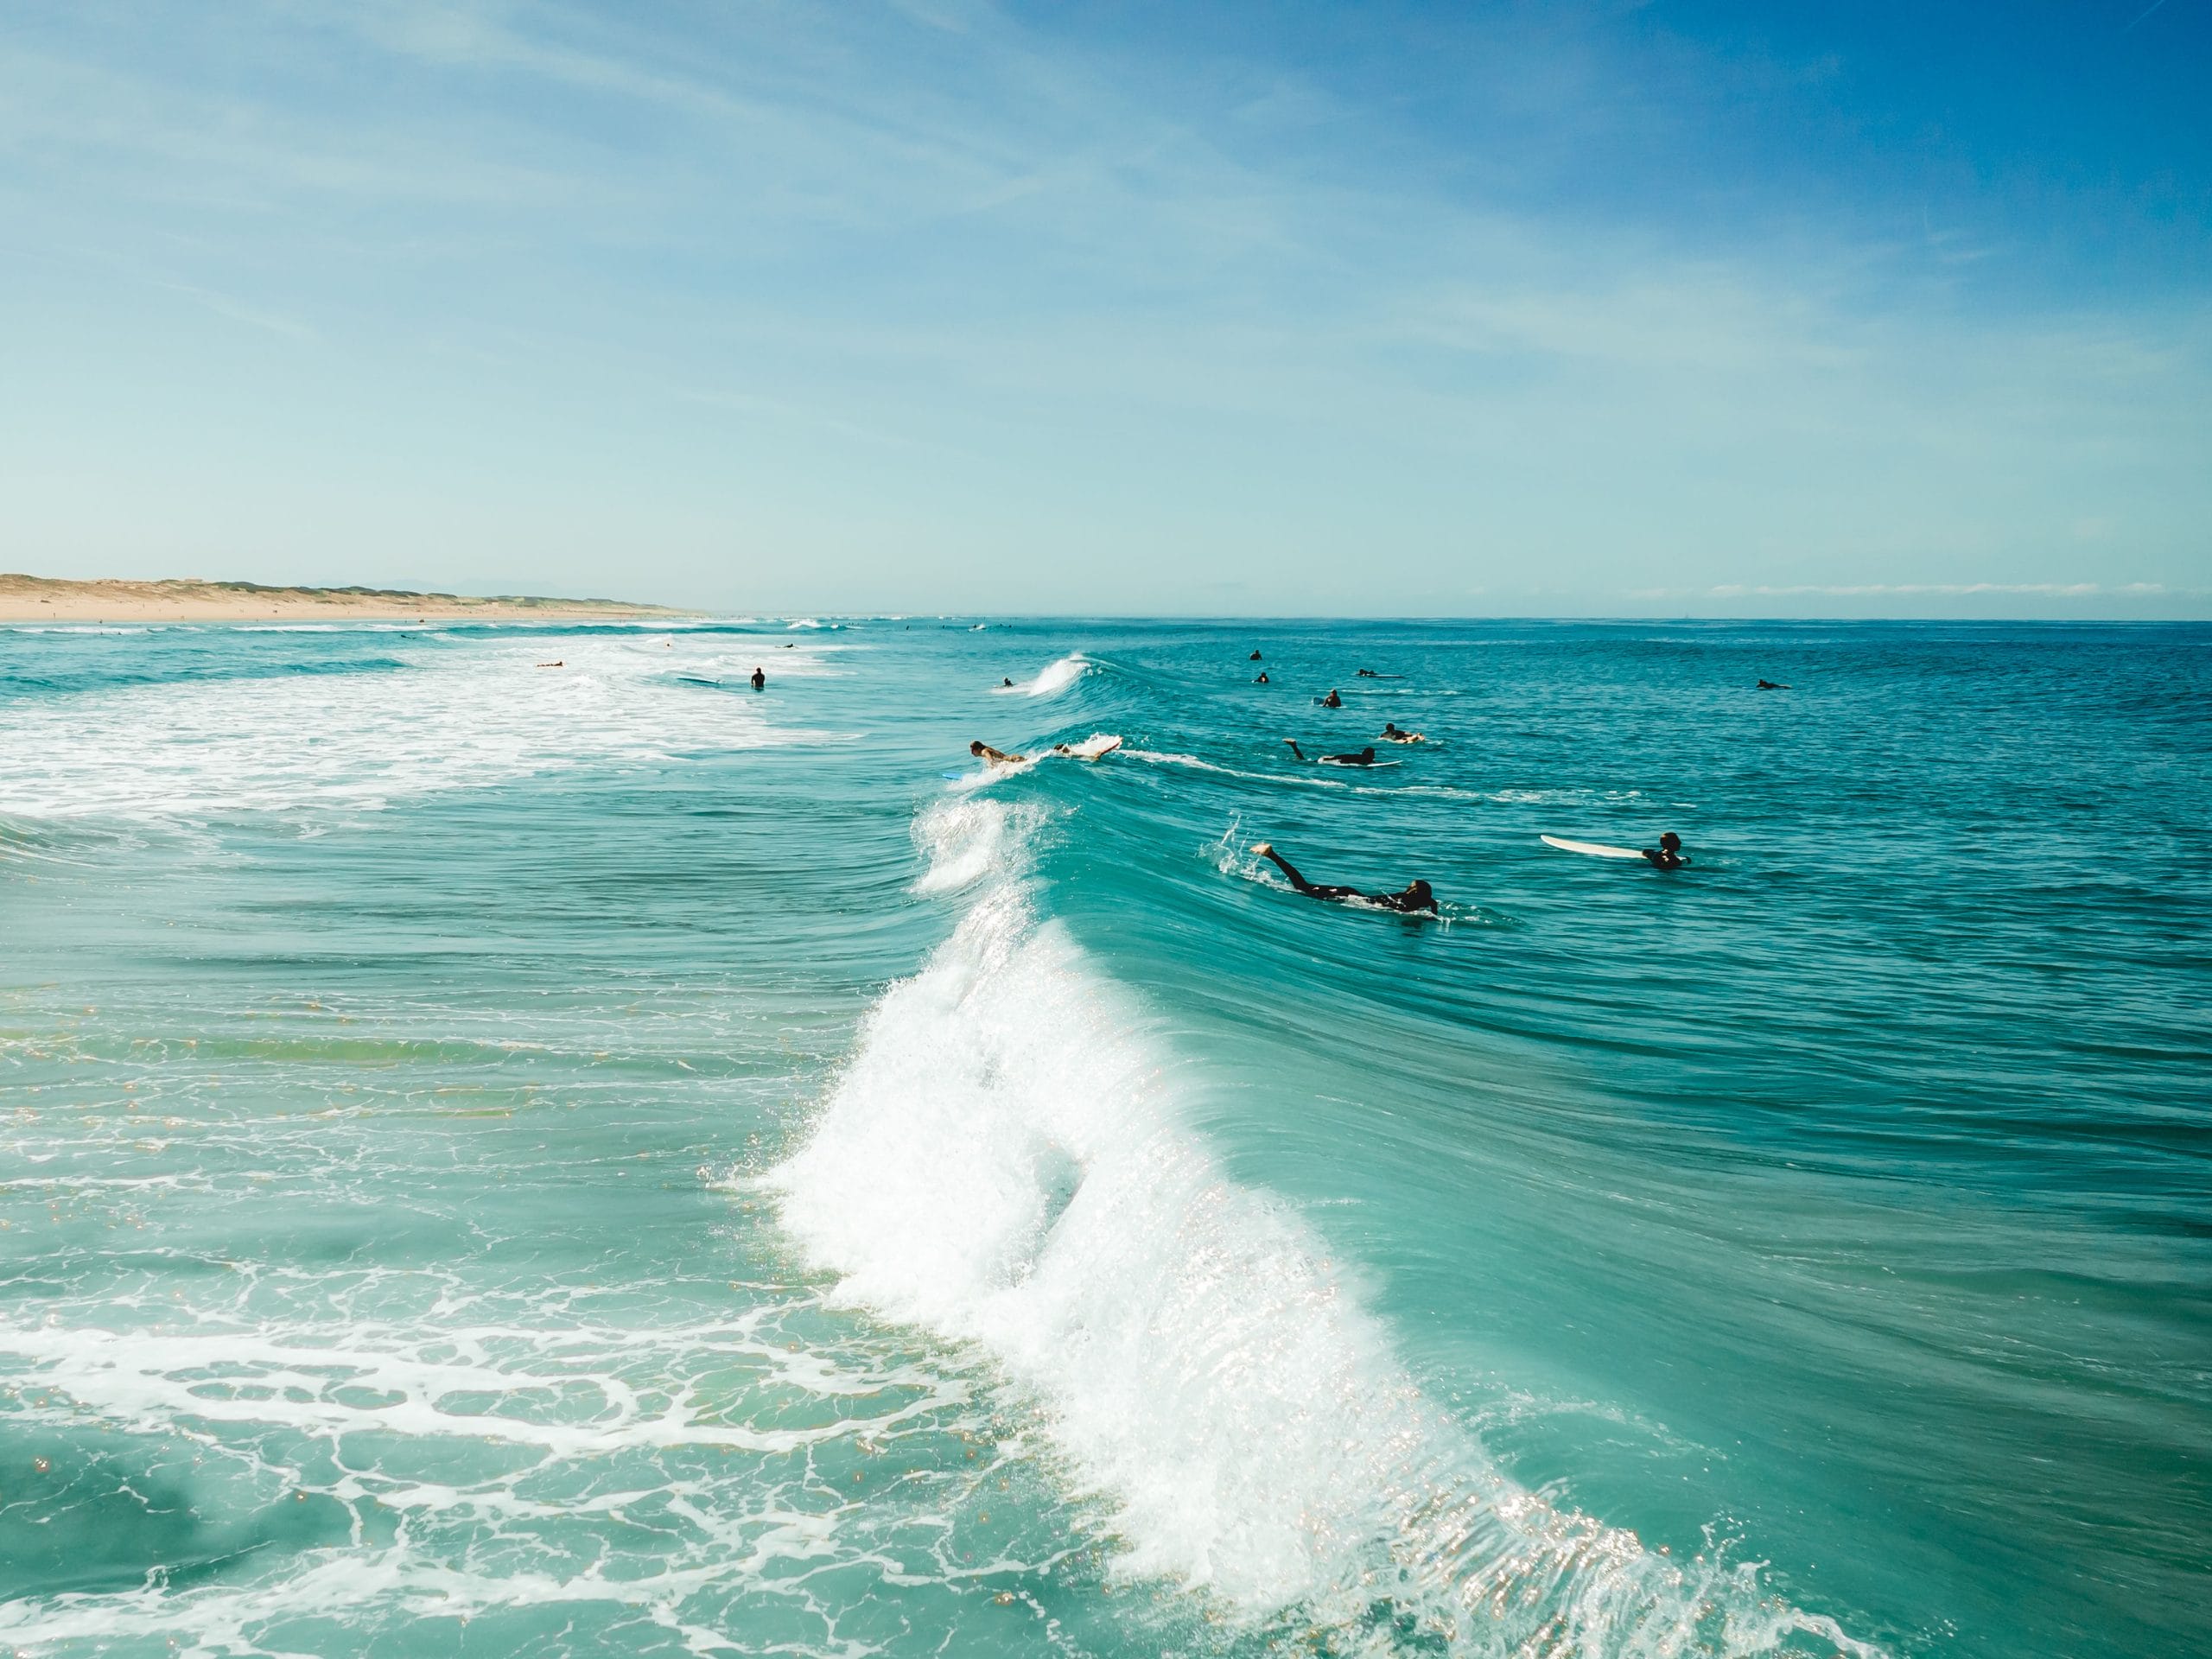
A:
759,679
1415,899
1667,854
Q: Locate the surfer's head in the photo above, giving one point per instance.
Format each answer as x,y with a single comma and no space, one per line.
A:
976,747
1367,754
1421,895
1670,842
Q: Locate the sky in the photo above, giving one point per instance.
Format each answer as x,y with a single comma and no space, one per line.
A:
1667,308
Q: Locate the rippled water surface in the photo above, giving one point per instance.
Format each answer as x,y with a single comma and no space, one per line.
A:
519,1159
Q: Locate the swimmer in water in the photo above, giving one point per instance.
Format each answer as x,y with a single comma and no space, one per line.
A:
1332,701
984,752
1414,899
1392,734
1357,758
759,679
1667,854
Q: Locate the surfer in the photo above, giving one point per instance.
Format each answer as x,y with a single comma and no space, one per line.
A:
1096,748
1332,701
1254,658
1769,685
1263,680
559,665
1415,899
1369,674
1667,854
759,679
983,750
1391,733
1357,758
1005,685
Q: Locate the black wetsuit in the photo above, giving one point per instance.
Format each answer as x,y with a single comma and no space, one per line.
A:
1663,859
1400,901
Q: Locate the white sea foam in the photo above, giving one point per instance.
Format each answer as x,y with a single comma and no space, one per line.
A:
469,716
1052,679
1007,1161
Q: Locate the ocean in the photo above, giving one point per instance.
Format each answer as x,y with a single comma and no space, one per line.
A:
595,1159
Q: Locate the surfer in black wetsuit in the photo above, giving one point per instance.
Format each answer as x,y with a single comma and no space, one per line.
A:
1254,658
1769,685
1667,854
1357,758
1392,733
1005,685
1263,680
759,679
1332,701
1414,899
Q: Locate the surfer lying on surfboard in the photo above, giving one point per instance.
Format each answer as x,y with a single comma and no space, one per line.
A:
1415,900
1357,758
1393,733
983,750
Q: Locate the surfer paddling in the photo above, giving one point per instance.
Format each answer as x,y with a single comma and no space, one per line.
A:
1667,854
1393,733
990,756
1357,758
1414,899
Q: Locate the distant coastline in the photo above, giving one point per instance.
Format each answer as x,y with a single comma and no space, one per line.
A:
45,599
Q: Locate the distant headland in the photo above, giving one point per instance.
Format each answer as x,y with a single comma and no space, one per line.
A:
44,599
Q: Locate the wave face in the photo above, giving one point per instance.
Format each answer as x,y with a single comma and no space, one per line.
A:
1007,1161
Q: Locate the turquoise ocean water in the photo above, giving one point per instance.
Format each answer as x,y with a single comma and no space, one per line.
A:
593,1161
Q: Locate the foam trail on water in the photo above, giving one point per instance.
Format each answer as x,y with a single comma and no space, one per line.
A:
1005,1161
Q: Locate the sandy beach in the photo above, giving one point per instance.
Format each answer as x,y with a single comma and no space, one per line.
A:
40,599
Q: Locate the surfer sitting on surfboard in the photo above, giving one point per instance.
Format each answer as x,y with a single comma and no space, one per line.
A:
1416,899
1358,758
1391,733
1332,701
1667,854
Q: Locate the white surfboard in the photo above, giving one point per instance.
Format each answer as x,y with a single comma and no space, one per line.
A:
1595,850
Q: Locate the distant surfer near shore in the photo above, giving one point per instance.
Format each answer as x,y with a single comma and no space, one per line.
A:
1392,733
558,665
1332,701
1414,899
1369,674
984,752
1357,758
1667,854
759,679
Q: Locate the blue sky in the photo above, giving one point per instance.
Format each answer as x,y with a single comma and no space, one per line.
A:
1868,309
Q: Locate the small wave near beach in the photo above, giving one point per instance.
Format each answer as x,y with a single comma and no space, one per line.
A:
1007,1161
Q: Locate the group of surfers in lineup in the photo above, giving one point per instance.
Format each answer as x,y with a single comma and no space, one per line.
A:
1415,897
